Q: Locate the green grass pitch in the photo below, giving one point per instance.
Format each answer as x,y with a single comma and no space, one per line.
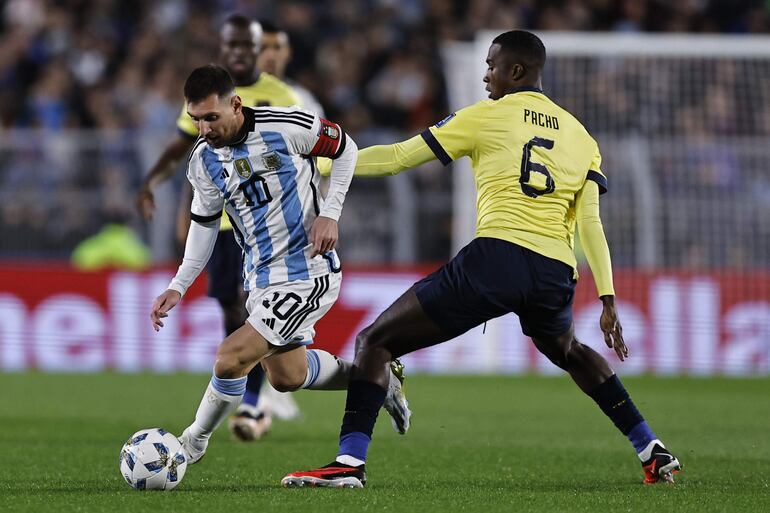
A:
476,444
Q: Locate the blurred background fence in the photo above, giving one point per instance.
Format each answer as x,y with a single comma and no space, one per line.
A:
682,121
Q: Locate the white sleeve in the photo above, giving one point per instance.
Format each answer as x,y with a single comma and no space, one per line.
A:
207,201
342,174
200,243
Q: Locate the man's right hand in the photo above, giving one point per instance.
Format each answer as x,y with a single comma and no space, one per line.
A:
610,325
145,202
162,305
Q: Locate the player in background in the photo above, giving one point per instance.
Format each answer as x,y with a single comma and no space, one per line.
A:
538,175
256,164
239,46
274,55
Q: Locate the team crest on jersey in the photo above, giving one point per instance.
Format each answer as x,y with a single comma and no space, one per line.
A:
445,120
271,160
331,132
243,167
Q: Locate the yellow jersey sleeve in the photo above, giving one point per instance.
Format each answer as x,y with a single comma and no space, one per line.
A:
185,124
595,172
592,237
455,135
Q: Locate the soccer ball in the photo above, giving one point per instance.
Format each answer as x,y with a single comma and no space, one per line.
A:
152,459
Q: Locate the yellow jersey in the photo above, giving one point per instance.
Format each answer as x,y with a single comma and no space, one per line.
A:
530,159
267,90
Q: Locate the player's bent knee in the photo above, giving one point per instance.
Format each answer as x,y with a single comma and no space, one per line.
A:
286,384
556,350
231,361
287,378
227,367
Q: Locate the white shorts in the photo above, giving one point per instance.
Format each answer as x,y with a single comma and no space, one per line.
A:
286,313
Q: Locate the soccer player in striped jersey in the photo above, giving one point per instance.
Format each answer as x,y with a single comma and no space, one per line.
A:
240,43
257,165
538,175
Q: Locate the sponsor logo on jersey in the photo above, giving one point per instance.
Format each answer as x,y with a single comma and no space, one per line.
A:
271,160
243,167
331,132
445,120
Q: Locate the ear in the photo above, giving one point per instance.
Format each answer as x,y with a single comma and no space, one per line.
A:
518,72
236,103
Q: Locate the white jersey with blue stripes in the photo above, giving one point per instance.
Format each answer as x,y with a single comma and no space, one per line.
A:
268,185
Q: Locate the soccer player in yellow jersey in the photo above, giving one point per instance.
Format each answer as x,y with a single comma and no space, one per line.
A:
538,176
239,46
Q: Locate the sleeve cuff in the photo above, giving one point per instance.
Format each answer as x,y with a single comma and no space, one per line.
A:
175,285
600,179
205,219
435,147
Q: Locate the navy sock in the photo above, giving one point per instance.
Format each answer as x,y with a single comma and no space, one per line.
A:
615,402
362,405
253,385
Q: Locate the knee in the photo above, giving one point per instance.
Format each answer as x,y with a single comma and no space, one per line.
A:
228,364
371,346
286,382
559,352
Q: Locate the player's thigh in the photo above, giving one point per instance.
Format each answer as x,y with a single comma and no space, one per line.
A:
240,351
547,315
402,328
446,303
286,368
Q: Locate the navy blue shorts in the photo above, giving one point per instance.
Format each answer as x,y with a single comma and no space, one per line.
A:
225,268
492,277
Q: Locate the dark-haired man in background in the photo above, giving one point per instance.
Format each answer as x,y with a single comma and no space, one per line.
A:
274,57
538,175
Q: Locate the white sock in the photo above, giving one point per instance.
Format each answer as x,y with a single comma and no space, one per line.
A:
221,398
326,372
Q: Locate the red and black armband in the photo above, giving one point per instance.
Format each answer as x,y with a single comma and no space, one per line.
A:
331,140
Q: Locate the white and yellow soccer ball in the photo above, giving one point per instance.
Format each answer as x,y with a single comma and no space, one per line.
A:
152,459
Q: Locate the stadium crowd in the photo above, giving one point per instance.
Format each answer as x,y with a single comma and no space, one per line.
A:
114,71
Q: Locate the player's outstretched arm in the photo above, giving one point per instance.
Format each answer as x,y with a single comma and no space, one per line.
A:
389,159
200,244
160,172
598,255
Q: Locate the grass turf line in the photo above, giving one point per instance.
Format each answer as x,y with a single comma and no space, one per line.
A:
476,444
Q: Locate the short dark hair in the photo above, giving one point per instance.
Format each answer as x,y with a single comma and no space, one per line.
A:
268,27
207,80
524,45
239,21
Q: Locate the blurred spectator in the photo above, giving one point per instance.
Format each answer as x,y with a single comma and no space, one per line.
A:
118,67
116,246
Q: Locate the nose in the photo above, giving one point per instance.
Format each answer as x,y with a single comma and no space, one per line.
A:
203,128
